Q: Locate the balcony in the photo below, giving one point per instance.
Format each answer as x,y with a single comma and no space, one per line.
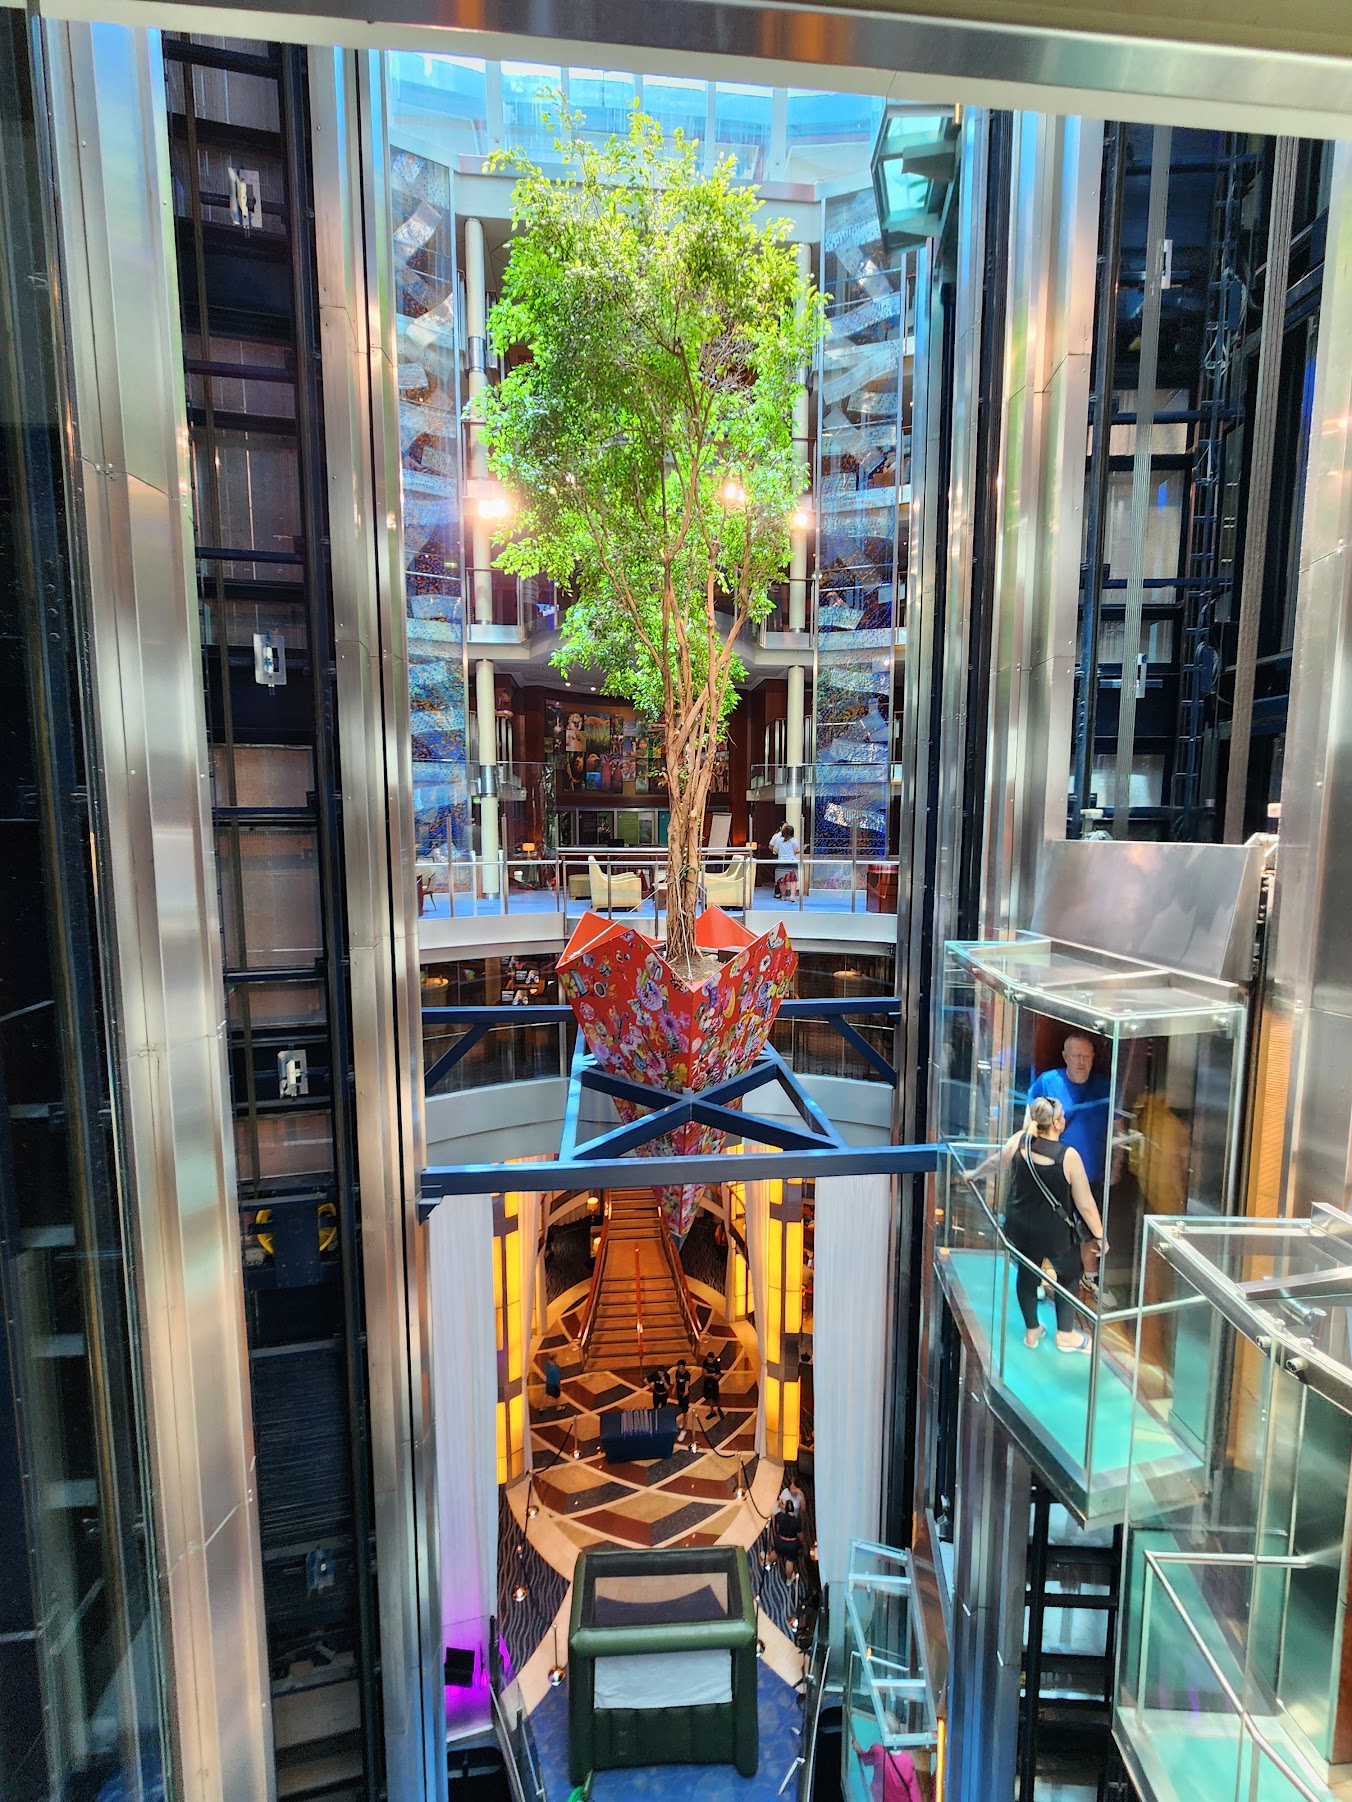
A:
507,609
1235,1638
630,883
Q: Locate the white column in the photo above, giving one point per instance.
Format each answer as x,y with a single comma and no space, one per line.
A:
476,330
795,740
487,712
795,731
802,441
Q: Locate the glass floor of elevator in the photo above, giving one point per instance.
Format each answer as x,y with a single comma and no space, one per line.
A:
1043,1396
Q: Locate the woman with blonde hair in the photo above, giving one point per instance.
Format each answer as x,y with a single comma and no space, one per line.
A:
1049,1195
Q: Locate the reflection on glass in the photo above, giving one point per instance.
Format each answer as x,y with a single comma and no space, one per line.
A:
449,93
1144,1066
1233,1605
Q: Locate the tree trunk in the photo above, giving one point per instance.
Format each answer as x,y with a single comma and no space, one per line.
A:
684,833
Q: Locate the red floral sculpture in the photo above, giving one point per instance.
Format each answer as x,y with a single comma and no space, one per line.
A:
642,1021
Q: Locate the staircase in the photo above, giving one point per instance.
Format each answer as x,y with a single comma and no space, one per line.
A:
636,1269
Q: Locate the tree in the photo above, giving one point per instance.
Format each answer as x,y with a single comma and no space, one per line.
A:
647,442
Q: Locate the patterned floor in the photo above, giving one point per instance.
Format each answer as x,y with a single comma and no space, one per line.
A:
526,1621
780,1721
688,1499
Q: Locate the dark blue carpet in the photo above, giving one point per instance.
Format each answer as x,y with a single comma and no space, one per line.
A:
780,1716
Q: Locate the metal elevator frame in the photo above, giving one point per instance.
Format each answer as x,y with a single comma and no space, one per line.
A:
306,717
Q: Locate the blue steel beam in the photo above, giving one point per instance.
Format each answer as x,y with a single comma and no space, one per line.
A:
751,1126
453,1054
870,1053
440,1181
638,1132
811,1114
796,1007
573,1101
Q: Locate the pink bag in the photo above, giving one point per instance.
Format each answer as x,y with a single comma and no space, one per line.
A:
894,1778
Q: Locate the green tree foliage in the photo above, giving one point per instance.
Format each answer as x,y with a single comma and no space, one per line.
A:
647,441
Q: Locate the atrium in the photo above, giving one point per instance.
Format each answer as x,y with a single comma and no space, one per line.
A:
674,1103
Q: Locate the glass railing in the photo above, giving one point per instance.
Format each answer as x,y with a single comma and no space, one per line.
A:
517,608
630,882
1191,1712
506,1053
1082,1415
890,1735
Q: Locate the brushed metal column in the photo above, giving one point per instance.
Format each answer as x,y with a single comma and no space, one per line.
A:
361,429
1057,165
990,1559
1309,992
157,873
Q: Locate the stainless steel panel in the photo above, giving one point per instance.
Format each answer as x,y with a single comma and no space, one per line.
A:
1048,334
353,247
1309,990
1157,209
157,873
946,823
994,1486
921,618
1190,907
1052,69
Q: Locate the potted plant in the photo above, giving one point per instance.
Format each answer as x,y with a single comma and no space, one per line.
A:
646,441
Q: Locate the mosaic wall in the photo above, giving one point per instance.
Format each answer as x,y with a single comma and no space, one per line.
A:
860,475
429,407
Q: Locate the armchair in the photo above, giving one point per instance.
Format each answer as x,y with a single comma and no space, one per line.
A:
610,890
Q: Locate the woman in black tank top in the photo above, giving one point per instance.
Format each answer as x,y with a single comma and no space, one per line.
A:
1048,1187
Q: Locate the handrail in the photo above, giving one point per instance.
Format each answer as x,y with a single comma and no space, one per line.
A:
1245,1720
638,1304
682,1290
584,1340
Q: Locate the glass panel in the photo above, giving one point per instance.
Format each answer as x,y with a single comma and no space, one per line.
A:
530,105
1163,524
446,94
264,776
275,1004
678,104
829,135
83,1685
278,890
742,128
604,98
293,1144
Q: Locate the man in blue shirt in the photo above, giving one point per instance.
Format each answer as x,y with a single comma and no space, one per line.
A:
1083,1093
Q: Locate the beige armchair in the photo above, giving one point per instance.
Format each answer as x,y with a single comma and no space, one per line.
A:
733,887
610,890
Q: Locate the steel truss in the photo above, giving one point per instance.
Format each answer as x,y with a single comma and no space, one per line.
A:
808,1146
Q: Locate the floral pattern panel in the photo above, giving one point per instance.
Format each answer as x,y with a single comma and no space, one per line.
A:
644,1022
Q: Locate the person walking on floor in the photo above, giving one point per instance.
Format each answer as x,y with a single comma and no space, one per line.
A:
658,1383
681,1387
713,1376
1048,1197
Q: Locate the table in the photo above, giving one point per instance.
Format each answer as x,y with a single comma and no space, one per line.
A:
628,1434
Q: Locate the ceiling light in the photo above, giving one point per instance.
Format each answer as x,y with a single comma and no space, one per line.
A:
521,1592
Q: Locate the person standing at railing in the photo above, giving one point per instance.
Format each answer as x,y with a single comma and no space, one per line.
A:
784,849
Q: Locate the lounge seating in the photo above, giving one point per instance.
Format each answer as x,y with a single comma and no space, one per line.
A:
733,887
613,889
